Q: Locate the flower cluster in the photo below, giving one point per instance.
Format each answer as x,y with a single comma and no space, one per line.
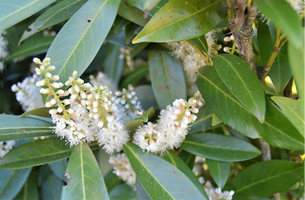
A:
83,112
102,79
126,53
170,130
27,93
3,49
128,106
123,169
6,147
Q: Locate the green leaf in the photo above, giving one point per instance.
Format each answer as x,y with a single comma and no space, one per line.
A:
280,72
123,191
51,187
265,178
284,16
180,20
36,153
292,109
113,63
119,23
11,182
15,11
85,177
130,32
219,147
29,190
33,47
111,181
224,104
167,77
149,4
44,112
70,52
215,120
188,158
177,162
141,192
132,14
264,40
159,178
135,76
219,171
241,80
200,45
146,96
59,168
16,128
58,13
133,124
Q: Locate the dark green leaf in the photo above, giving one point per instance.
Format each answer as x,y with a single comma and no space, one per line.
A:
219,147
44,112
11,182
265,42
284,16
265,178
85,177
241,80
188,158
178,20
177,162
132,14
215,93
146,97
36,153
167,77
33,47
130,32
16,128
113,63
123,191
292,109
135,76
15,11
137,48
159,178
59,169
119,23
29,190
132,125
51,187
219,171
70,52
111,181
280,72
200,45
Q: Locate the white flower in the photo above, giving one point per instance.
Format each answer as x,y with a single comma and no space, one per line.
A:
217,194
123,169
102,79
5,147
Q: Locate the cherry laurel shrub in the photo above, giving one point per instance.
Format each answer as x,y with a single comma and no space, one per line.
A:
152,99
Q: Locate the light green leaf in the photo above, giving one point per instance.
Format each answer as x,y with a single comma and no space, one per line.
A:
284,16
292,109
265,178
224,104
141,192
85,177
180,20
37,153
70,52
219,147
113,63
215,120
132,14
14,11
149,4
133,124
159,178
11,182
219,171
16,128
29,190
177,162
167,77
35,46
241,80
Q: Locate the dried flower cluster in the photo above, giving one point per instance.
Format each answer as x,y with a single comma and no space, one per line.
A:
170,130
3,49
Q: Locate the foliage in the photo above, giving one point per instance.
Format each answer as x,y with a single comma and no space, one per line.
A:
197,99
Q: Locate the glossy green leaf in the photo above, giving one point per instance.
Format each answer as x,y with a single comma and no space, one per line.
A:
265,178
33,47
149,4
130,32
113,63
167,77
85,177
51,187
177,162
16,128
135,76
284,16
180,20
225,105
11,182
292,109
264,40
44,112
141,192
280,72
123,191
70,52
146,96
58,13
241,80
15,11
36,153
219,171
132,14
219,147
188,158
119,23
159,178
29,190
133,124
59,168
